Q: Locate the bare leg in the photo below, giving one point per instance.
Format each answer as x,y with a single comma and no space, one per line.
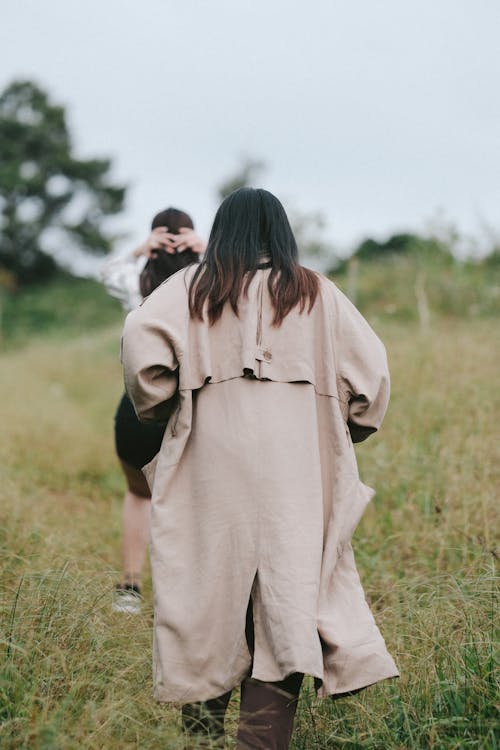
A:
136,519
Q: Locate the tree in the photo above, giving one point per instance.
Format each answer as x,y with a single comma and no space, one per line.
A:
307,226
243,177
46,192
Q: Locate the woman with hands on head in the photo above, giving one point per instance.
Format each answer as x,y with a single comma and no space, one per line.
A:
122,274
171,245
172,242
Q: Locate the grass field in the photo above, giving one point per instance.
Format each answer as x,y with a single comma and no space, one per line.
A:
75,675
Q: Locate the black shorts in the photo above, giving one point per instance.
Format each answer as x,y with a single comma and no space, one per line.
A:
136,443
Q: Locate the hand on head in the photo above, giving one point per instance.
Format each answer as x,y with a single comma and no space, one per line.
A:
161,239
188,239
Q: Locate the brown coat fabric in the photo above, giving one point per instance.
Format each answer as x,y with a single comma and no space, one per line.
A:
256,490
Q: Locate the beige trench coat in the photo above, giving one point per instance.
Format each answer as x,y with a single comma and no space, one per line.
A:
255,491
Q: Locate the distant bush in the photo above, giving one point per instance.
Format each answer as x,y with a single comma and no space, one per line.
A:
399,245
492,260
408,277
67,306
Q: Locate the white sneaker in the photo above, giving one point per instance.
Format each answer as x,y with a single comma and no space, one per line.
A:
127,599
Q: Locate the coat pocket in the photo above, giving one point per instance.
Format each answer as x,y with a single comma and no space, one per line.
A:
362,496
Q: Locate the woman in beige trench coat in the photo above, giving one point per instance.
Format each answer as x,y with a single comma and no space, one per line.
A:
255,491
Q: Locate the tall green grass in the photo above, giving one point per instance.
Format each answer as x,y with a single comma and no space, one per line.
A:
75,675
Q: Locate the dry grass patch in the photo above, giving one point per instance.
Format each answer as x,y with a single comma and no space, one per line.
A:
75,675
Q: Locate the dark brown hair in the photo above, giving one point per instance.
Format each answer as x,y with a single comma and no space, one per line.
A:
250,225
163,264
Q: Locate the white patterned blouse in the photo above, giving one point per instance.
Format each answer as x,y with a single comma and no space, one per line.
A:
120,275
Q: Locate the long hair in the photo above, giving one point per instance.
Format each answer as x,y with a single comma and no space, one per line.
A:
163,264
251,226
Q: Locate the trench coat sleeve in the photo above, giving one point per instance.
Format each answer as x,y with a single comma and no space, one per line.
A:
150,366
362,370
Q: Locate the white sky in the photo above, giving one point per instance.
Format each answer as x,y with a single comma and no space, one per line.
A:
379,113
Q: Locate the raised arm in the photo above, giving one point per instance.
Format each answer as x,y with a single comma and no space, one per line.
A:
362,370
120,273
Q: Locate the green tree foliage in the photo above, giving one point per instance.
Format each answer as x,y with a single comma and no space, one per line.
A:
46,194
244,176
398,246
307,226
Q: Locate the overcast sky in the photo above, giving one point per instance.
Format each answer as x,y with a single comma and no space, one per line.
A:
379,113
